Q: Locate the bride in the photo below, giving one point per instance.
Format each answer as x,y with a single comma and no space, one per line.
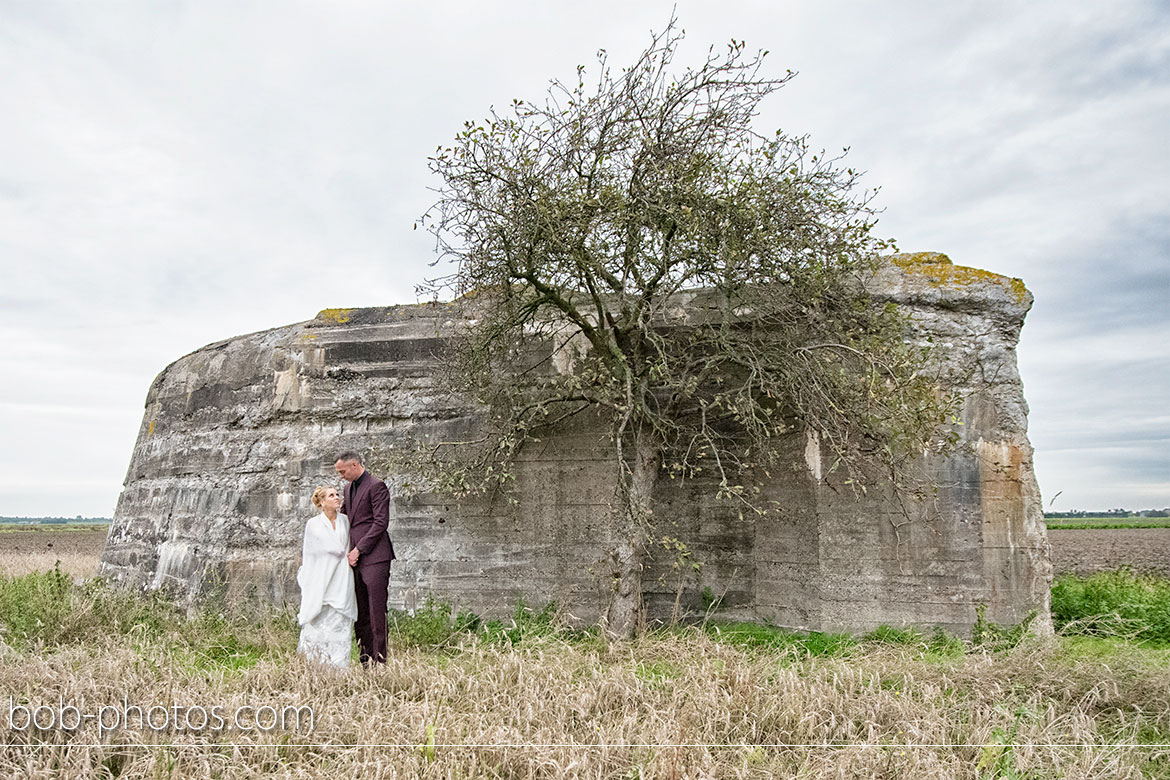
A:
328,604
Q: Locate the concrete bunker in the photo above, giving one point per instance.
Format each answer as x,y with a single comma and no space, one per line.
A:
236,435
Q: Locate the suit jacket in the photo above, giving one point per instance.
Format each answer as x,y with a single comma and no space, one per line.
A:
369,513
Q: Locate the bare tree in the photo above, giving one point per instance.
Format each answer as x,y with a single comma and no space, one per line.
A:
701,287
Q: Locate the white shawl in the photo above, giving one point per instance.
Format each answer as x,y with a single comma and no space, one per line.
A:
325,576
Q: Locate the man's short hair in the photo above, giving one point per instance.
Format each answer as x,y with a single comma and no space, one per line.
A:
349,455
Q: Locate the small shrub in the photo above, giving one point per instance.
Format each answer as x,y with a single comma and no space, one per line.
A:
33,606
535,623
711,602
429,626
944,644
468,621
993,636
494,631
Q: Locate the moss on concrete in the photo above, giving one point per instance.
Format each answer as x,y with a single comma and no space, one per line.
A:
335,316
939,269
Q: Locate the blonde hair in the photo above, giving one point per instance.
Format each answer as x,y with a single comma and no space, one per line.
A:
319,495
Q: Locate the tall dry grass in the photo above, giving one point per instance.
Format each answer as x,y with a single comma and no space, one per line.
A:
76,564
532,699
678,705
75,550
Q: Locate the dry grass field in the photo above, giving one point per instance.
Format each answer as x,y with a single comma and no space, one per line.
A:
665,707
530,699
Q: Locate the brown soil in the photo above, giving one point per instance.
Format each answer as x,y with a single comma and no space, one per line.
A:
1085,552
1078,551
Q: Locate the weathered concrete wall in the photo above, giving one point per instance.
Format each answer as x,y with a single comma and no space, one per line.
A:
237,435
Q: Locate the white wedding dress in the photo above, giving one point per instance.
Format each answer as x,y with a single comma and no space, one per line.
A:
328,604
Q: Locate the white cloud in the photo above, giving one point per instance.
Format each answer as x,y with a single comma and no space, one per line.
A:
174,174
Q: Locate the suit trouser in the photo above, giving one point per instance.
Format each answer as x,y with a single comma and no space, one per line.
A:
370,584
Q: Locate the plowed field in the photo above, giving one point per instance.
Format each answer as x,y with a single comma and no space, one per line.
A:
1077,551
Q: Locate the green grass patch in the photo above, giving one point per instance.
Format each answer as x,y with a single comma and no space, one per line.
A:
657,673
212,641
937,645
1116,604
527,623
1105,523
1112,650
46,609
763,636
433,624
436,623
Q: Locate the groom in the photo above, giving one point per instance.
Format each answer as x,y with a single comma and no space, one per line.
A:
368,505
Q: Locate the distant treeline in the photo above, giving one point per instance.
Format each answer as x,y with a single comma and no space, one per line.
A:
1110,513
55,520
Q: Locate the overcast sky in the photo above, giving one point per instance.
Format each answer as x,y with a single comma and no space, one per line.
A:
176,173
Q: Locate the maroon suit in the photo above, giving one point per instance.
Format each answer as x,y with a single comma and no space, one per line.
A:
369,509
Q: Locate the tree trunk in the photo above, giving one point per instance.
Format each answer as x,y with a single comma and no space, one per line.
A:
632,515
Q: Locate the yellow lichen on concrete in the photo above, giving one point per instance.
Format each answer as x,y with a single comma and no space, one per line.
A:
336,316
150,428
939,269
